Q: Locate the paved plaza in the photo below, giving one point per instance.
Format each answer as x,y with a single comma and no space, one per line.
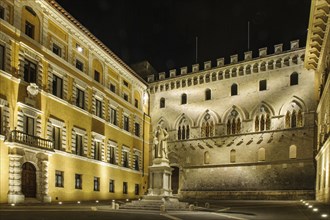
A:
208,210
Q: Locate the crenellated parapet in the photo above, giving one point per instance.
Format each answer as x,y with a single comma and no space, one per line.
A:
236,68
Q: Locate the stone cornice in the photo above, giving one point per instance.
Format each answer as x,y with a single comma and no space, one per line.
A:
318,33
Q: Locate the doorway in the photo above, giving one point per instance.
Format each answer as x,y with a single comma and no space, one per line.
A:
29,180
175,180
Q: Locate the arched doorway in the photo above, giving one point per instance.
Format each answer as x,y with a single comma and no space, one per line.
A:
29,181
175,180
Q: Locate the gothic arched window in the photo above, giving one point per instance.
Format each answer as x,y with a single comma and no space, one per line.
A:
234,123
183,130
207,129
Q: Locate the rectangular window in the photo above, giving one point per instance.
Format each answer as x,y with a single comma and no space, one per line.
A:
80,102
137,129
2,57
125,188
59,178
112,88
79,145
29,125
2,13
97,150
57,138
125,97
112,186
57,86
113,116
96,76
136,162
98,105
125,159
29,29
125,83
78,181
112,155
126,123
96,184
136,103
262,85
57,50
79,65
30,72
137,189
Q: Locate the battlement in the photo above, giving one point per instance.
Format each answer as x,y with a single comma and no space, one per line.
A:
220,62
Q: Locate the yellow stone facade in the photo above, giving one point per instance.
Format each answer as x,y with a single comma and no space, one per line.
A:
318,59
74,117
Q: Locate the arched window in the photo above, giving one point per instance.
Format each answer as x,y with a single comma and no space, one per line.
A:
234,89
208,94
262,122
183,129
233,156
234,123
206,157
261,154
293,152
287,120
183,99
162,103
293,119
256,123
207,129
268,122
299,119
294,79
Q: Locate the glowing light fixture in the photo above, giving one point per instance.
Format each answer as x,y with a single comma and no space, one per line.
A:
60,203
315,209
97,201
79,48
310,206
78,202
324,215
12,204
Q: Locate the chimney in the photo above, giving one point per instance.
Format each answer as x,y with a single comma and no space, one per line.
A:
195,68
278,48
263,52
248,55
184,70
294,44
220,62
233,58
207,65
161,75
151,78
173,73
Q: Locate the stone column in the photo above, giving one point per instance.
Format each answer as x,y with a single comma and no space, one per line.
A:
15,194
43,164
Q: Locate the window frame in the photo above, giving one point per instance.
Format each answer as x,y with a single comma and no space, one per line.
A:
96,184
98,108
97,76
80,101
78,184
79,147
125,187
2,58
56,49
97,150
59,178
137,129
126,123
57,137
79,65
111,185
263,85
30,72
57,82
113,116
2,13
29,29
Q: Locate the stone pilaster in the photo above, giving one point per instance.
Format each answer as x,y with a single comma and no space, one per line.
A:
43,181
15,194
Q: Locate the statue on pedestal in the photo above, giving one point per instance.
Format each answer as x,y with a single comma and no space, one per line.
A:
160,143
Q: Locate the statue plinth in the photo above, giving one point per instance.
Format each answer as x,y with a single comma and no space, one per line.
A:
160,178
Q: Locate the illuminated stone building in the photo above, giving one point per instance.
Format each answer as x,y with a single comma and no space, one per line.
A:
318,59
74,121
242,130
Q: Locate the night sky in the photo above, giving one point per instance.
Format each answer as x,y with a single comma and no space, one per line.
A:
164,31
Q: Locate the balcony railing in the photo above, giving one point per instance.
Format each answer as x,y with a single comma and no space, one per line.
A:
23,138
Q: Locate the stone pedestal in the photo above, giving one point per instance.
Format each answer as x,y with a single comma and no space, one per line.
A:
160,178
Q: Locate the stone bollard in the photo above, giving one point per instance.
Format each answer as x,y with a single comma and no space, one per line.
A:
191,207
113,205
117,206
162,208
207,205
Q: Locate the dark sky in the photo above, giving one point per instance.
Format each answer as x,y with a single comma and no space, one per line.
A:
164,31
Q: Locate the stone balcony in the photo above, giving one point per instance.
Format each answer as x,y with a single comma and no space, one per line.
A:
16,136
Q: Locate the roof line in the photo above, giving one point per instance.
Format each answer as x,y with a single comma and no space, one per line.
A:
60,9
